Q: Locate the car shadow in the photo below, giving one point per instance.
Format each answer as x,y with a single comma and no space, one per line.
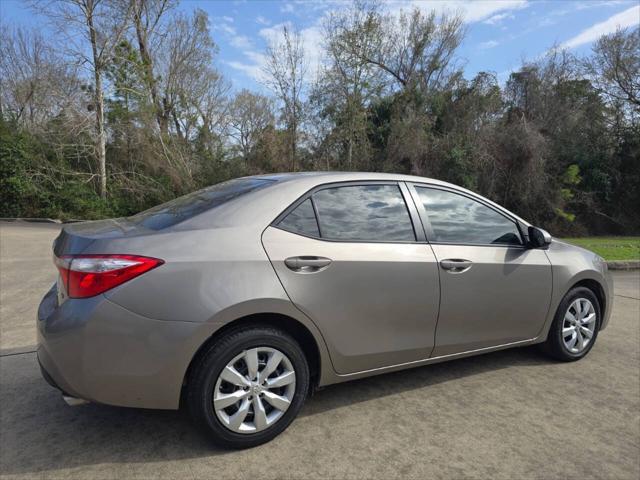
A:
357,391
40,433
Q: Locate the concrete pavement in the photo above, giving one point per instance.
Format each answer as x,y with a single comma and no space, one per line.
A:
510,414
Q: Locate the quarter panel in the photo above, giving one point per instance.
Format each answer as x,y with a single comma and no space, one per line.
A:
205,272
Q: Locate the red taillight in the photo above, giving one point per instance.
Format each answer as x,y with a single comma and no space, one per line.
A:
89,275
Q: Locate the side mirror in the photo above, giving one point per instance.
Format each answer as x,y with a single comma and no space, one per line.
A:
538,238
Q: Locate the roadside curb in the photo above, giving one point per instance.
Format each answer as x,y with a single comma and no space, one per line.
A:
624,265
39,220
34,220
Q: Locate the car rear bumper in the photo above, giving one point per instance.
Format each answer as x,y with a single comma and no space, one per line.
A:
96,350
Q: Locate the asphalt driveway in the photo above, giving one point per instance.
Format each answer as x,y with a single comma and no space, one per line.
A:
510,414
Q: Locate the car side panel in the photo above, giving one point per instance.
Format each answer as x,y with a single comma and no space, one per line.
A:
571,265
376,303
503,298
205,272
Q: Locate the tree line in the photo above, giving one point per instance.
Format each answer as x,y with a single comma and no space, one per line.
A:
125,108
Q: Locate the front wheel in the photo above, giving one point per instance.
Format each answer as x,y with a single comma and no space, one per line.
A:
248,386
575,326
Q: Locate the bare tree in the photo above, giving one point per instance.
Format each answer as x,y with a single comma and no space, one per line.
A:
250,114
414,49
347,82
91,30
36,84
185,68
285,70
614,66
148,16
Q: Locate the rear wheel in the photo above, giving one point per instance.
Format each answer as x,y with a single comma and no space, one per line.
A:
248,386
575,326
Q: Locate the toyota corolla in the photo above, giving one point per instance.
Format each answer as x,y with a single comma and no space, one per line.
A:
240,299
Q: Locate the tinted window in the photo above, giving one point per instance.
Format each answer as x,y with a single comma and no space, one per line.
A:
301,220
458,219
365,213
195,203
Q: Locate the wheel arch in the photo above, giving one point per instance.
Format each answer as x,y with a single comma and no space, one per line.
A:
598,290
286,323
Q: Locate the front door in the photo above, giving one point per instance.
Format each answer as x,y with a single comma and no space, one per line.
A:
349,258
495,291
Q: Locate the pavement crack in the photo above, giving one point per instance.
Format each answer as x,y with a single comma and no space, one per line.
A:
17,353
626,296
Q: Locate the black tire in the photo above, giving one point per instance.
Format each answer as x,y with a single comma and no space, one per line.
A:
555,346
216,356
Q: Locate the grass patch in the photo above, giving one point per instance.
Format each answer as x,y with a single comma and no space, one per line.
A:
610,248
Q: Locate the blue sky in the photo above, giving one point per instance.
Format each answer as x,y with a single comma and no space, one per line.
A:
500,33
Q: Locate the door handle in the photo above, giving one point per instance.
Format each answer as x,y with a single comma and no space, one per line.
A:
307,263
456,265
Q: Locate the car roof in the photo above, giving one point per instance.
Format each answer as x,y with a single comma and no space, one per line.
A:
337,176
264,205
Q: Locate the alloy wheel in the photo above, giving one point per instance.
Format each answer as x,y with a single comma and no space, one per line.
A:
254,390
579,325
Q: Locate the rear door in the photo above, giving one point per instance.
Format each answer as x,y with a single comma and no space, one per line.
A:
495,291
350,258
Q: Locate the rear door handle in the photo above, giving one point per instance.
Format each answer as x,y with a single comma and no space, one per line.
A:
307,263
456,265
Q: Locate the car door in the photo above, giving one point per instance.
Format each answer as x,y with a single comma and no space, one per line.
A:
494,290
349,257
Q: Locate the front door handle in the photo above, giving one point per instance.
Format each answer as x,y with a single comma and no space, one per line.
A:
456,265
307,263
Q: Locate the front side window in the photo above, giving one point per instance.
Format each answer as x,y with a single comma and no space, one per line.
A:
455,218
375,213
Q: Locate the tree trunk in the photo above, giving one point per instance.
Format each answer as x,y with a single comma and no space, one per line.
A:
147,64
294,131
101,150
293,146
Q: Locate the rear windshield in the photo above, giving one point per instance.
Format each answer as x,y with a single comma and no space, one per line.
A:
195,203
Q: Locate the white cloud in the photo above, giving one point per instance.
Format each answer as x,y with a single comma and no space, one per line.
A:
252,70
254,67
497,18
627,18
262,20
312,40
287,8
224,27
488,44
227,19
241,41
547,22
471,11
271,34
256,61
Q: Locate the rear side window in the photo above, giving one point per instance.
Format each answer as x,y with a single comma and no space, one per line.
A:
364,213
192,204
301,220
455,218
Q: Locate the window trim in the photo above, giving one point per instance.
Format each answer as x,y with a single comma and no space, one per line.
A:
424,216
414,216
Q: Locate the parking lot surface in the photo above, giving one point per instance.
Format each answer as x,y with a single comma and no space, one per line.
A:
513,414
